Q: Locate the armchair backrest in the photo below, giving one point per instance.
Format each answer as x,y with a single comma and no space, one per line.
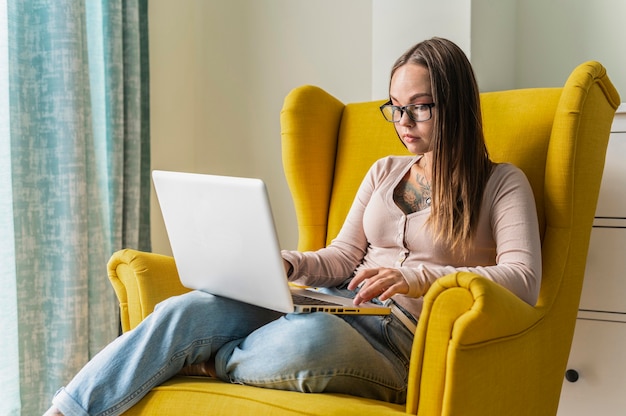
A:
557,136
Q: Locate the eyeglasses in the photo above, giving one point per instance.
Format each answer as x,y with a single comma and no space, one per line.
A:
416,112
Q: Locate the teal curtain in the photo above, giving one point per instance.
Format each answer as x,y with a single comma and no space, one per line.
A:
74,183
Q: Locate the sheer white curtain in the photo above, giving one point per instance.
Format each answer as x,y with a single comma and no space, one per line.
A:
74,183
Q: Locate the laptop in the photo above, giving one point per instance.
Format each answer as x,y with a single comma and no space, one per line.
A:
223,238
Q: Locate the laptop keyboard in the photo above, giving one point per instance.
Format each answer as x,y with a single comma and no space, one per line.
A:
305,300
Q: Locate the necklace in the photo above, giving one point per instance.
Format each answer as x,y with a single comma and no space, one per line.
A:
427,189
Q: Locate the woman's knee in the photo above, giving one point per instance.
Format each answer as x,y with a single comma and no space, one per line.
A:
188,301
309,332
290,342
313,329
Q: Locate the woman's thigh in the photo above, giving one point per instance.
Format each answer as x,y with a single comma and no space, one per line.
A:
319,352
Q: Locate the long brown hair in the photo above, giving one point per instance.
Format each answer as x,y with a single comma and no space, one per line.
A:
460,162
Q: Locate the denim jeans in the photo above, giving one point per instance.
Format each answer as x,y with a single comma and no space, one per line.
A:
319,352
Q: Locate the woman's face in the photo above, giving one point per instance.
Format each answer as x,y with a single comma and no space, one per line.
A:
410,84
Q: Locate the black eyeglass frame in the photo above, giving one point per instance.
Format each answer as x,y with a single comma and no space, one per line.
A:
403,109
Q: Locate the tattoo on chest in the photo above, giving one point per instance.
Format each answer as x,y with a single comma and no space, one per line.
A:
412,194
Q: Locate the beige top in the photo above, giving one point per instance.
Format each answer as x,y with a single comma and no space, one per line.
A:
377,233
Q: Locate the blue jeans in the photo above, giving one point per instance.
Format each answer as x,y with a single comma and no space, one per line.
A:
319,352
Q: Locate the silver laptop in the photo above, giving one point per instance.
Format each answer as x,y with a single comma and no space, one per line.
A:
224,242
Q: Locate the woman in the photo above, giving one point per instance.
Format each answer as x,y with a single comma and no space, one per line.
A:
414,219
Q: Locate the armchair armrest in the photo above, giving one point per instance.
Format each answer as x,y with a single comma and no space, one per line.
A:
141,280
464,320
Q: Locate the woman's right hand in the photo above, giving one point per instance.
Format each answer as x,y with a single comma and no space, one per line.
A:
381,283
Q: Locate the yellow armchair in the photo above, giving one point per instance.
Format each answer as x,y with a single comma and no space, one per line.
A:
478,350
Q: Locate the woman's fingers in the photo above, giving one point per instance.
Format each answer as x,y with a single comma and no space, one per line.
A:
382,283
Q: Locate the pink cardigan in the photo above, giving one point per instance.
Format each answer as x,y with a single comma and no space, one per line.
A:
377,233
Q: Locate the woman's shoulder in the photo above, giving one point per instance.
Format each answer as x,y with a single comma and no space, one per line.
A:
393,162
390,167
504,170
506,176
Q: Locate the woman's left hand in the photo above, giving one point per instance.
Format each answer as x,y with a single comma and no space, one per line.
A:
382,283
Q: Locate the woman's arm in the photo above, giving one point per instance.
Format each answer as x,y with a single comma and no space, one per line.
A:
510,205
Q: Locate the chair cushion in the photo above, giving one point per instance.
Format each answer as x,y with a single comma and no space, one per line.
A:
204,396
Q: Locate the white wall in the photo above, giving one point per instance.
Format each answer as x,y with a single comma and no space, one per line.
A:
554,36
493,43
220,69
399,24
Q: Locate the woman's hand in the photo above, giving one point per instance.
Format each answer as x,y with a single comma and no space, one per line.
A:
382,283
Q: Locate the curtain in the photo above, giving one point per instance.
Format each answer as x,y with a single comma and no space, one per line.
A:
74,183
